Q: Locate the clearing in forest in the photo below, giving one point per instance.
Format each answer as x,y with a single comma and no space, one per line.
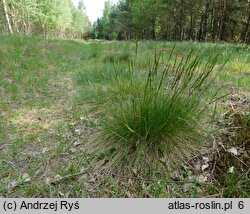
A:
92,118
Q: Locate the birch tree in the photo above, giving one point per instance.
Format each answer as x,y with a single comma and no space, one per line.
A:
7,16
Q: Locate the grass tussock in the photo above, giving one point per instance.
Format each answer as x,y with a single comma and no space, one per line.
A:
155,118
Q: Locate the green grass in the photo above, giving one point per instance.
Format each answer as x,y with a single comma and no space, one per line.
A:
47,85
157,115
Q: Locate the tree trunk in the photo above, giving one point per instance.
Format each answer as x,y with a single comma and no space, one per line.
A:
181,21
200,37
7,16
204,35
222,21
190,32
153,27
214,21
245,33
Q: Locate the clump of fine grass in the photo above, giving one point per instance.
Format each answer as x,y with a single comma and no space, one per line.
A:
124,57
158,121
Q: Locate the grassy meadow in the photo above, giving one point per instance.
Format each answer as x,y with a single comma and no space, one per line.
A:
123,119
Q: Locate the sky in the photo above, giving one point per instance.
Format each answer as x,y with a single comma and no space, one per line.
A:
94,8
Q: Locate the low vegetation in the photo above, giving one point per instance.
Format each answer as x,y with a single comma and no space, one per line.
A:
74,116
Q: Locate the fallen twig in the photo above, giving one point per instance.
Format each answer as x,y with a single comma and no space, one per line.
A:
71,176
12,165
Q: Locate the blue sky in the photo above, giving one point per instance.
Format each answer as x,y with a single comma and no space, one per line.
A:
94,8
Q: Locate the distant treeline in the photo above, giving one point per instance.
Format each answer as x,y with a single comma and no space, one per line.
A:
59,18
199,20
